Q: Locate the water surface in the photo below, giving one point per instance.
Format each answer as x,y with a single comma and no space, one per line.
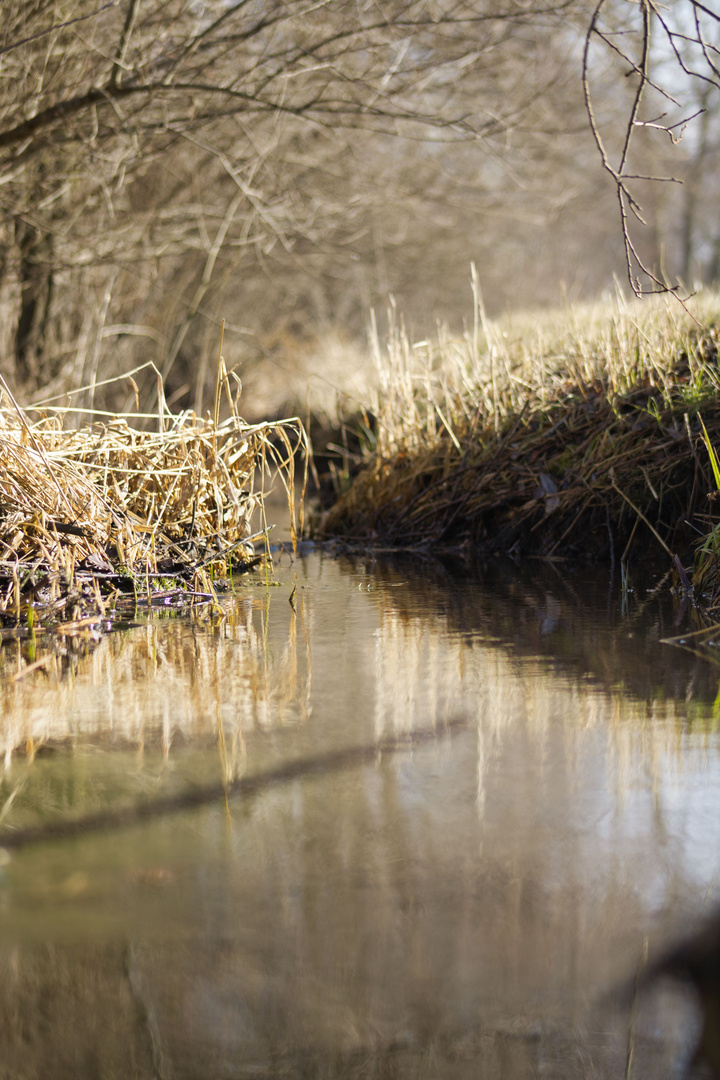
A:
530,795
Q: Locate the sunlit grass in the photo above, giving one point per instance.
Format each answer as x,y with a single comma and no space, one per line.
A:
130,504
542,432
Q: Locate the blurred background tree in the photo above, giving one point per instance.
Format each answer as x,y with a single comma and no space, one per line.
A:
288,165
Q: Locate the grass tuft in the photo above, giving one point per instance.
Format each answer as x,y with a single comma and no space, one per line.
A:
107,510
573,433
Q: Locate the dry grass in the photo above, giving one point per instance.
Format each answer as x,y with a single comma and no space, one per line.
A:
576,432
90,511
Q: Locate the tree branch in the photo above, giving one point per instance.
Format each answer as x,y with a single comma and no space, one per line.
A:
57,26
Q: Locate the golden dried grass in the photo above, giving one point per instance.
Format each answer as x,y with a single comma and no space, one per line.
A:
559,433
111,498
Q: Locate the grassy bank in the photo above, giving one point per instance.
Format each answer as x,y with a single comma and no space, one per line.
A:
580,433
576,433
102,513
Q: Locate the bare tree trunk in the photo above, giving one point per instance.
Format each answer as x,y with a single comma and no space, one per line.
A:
692,190
36,292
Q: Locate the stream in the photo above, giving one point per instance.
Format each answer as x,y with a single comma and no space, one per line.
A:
407,820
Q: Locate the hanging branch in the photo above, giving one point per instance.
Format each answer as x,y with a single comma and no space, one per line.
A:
642,62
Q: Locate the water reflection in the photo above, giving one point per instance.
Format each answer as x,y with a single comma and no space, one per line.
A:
457,908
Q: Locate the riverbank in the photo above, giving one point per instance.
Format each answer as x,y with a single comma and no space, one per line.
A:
126,512
579,434
572,434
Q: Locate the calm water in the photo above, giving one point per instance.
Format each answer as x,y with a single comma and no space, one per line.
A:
531,794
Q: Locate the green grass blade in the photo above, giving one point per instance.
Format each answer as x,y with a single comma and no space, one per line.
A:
712,455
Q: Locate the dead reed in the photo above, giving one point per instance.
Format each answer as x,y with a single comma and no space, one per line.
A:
573,434
110,509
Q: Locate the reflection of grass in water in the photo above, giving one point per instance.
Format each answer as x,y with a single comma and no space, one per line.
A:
180,684
705,644
570,614
173,699
444,658
172,678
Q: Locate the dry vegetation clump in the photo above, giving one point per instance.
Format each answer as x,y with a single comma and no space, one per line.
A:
577,434
110,510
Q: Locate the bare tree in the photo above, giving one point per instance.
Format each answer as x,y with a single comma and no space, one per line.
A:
669,59
160,148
